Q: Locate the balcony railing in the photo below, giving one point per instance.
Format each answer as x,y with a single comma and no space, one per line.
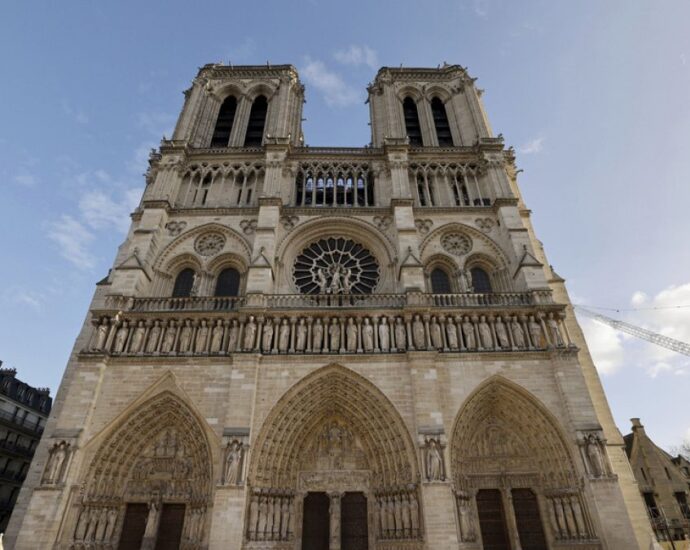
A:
16,420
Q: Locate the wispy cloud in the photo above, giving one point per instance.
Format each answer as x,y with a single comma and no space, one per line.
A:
156,124
25,179
533,146
358,55
335,91
605,344
101,211
73,240
24,297
481,8
77,114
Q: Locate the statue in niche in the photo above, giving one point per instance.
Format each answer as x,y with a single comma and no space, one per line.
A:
217,337
535,332
301,335
435,333
267,337
434,460
263,516
485,333
317,336
102,524
82,524
196,281
595,457
400,335
253,516
368,335
111,518
336,286
185,336
169,337
92,525
285,520
418,333
351,332
284,336
390,516
56,460
414,514
384,334
451,334
465,516
405,513
518,333
502,334
121,337
334,333
154,335
138,337
468,333
249,334
233,461
201,337
234,335
466,280
152,520
101,335
556,338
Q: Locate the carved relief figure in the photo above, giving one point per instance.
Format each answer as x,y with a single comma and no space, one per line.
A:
217,337
502,334
467,531
351,333
518,333
56,460
595,458
284,336
201,337
317,336
451,334
321,281
434,460
334,333
232,463
249,334
185,336
400,334
154,336
384,335
138,337
368,335
485,333
121,337
234,335
418,333
468,334
554,331
535,332
101,335
267,337
169,338
435,333
301,335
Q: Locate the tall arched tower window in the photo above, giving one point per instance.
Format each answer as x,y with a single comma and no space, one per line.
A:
438,110
480,280
184,283
257,121
412,127
226,117
440,282
228,282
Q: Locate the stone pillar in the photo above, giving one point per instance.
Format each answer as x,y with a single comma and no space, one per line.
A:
334,512
152,521
511,521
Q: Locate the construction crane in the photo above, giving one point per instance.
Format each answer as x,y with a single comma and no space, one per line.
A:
644,334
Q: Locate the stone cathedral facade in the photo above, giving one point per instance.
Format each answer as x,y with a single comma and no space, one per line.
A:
330,348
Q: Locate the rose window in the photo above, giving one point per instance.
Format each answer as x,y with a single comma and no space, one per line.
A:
456,243
209,244
335,266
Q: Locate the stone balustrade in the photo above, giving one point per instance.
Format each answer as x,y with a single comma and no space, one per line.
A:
197,331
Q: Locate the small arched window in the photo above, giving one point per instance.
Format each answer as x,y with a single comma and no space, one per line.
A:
440,282
480,280
412,127
438,110
257,121
184,283
226,116
228,282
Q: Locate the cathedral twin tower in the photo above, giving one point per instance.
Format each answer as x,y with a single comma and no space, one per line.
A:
330,348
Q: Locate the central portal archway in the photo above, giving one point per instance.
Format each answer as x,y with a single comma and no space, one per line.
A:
333,446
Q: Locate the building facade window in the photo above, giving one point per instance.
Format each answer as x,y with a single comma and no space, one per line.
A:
412,126
438,111
440,282
228,282
184,283
224,122
257,121
480,280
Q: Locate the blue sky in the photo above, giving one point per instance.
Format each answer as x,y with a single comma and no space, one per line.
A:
593,96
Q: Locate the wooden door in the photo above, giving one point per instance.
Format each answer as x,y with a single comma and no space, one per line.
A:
316,522
354,534
170,527
133,526
492,520
529,525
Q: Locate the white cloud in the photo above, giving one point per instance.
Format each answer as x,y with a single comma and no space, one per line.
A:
605,344
358,55
335,91
101,211
533,146
73,239
157,124
25,179
481,8
638,298
140,159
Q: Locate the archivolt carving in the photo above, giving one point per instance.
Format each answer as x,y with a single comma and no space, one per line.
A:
340,413
502,431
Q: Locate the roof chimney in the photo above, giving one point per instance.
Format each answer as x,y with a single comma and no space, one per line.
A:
637,425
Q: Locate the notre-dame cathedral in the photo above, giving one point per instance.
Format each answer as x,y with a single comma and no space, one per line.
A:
314,348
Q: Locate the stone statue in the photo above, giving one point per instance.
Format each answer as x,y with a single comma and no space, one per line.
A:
485,333
382,517
277,508
554,331
267,337
595,458
451,334
185,336
263,517
466,523
398,516
201,337
384,335
112,522
234,335
418,333
154,335
535,332
138,337
196,281
253,516
232,463
405,515
368,335
82,524
249,334
502,334
101,335
347,281
334,333
466,280
414,514
518,333
53,471
121,337
400,335
321,282
102,524
435,333
285,519
351,332
152,521
317,336
390,516
217,337
336,287
284,336
301,335
468,334
169,337
434,461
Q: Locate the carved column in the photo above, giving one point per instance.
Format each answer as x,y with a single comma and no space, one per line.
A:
334,512
511,521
